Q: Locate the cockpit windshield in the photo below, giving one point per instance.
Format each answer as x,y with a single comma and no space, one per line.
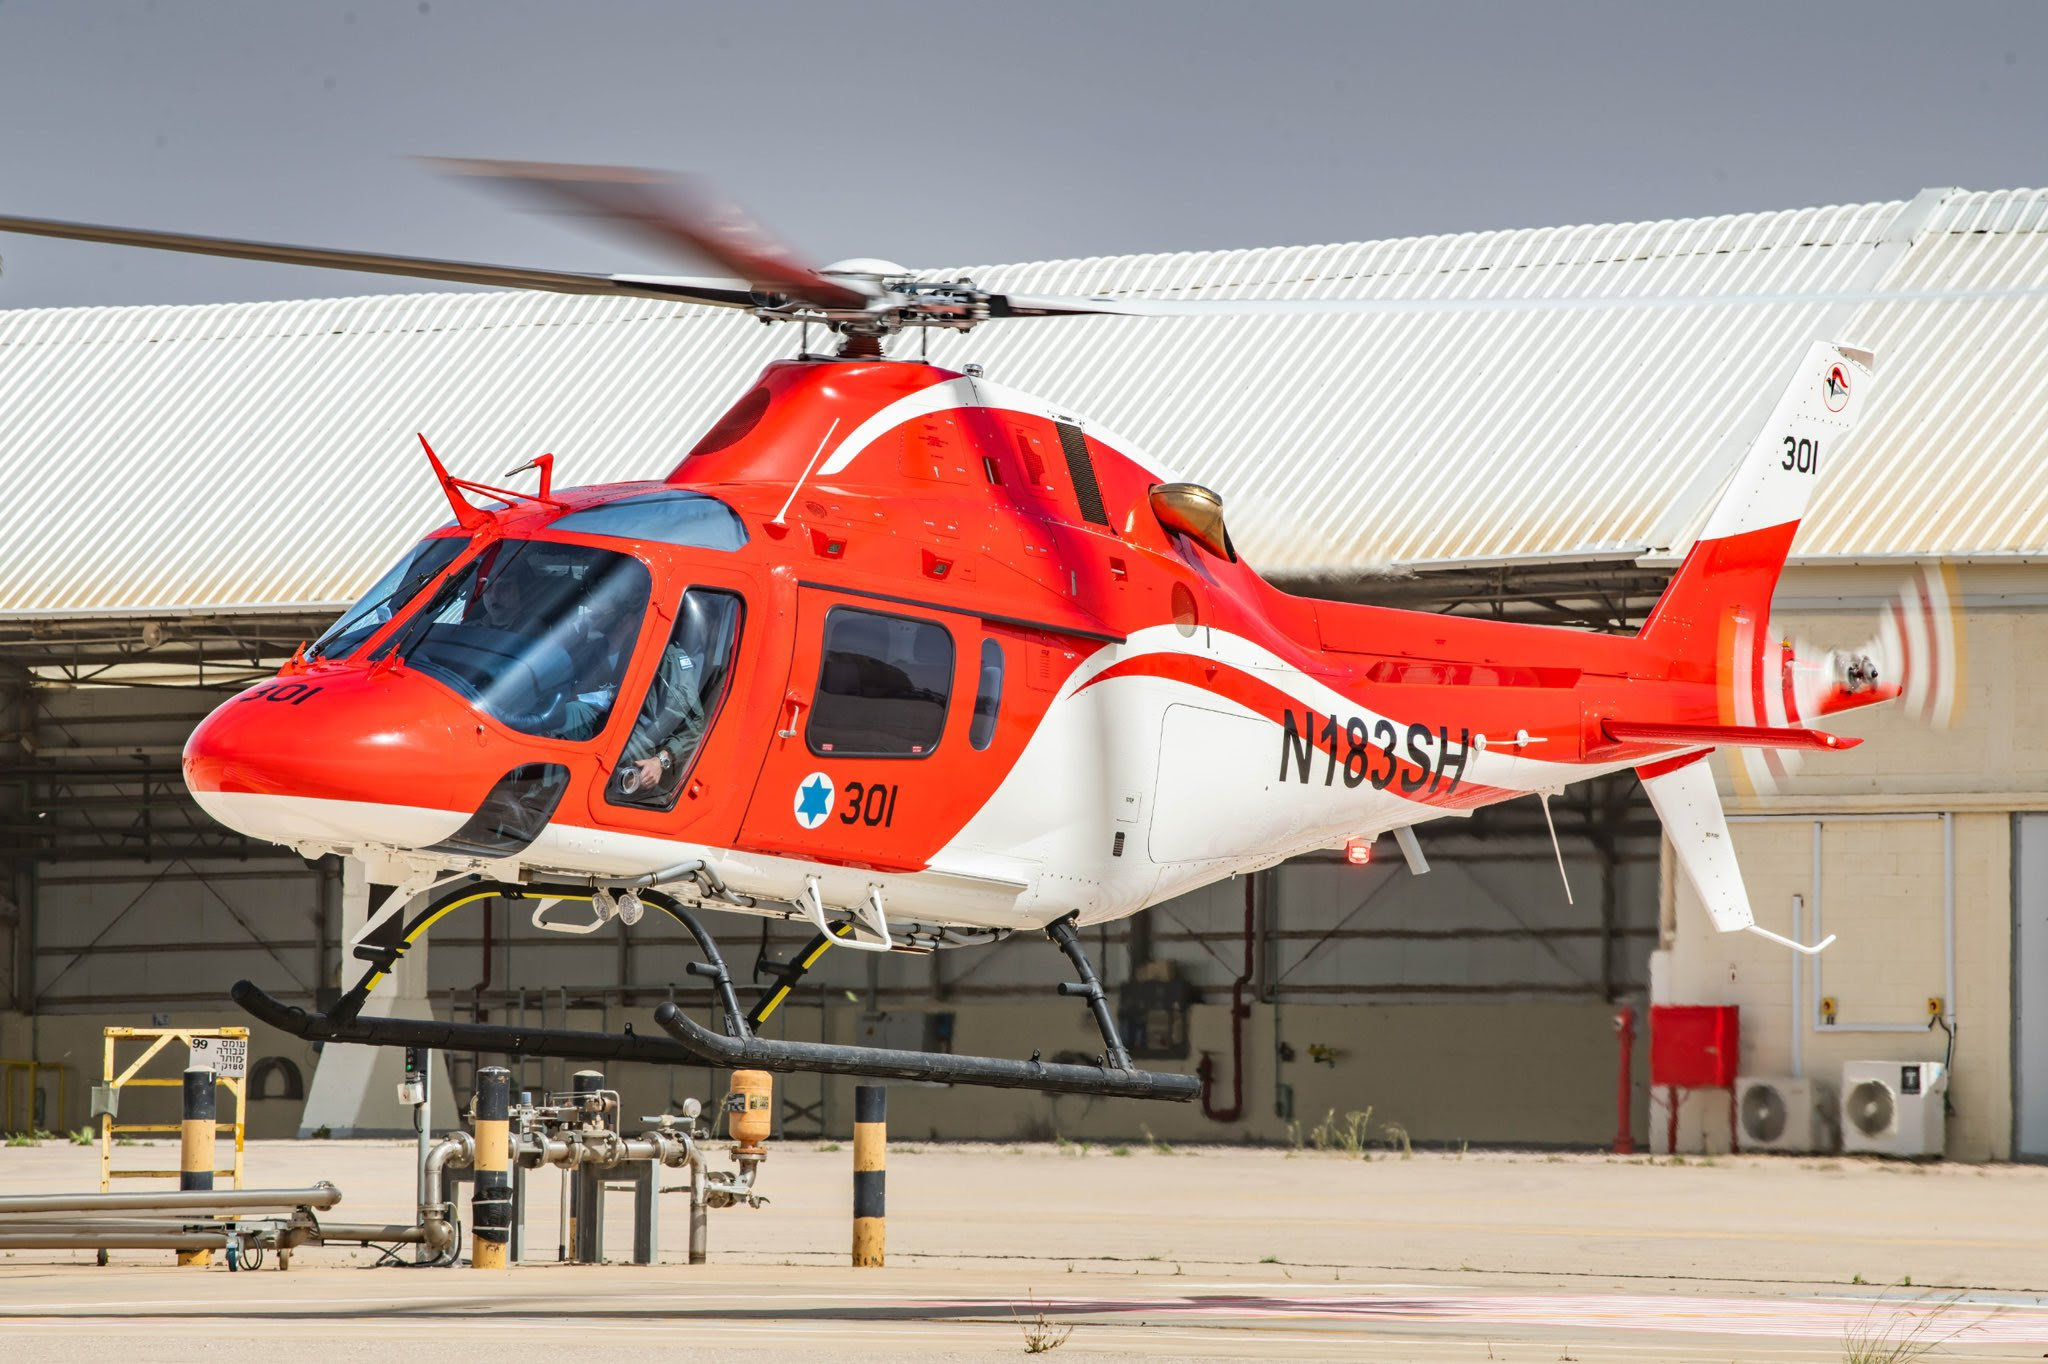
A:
538,634
389,596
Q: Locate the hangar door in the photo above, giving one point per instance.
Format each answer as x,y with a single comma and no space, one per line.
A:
2030,987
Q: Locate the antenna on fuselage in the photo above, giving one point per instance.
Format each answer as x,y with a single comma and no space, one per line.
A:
779,517
546,465
1555,847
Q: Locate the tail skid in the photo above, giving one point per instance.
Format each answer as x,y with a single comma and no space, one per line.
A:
1697,830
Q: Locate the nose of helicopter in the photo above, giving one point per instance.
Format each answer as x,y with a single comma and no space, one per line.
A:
343,760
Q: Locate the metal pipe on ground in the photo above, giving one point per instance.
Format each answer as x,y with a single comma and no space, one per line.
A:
700,1211
321,1195
185,1243
459,1150
369,1233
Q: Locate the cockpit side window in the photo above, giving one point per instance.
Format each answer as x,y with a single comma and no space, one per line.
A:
690,680
537,634
390,594
883,686
988,697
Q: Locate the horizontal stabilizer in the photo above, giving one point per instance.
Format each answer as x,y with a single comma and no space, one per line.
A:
1711,736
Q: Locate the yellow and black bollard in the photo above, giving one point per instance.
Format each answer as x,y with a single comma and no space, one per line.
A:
195,1144
490,1208
870,1171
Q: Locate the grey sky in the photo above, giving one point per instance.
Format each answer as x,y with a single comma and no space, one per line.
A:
972,133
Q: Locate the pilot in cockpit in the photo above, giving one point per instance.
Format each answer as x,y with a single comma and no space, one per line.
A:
601,644
688,682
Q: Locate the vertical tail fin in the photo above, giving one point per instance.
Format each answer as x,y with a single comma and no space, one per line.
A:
1712,624
1717,608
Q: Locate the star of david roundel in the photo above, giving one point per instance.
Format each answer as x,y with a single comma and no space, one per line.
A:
813,800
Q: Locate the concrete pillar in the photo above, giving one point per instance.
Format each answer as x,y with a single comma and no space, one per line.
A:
355,1088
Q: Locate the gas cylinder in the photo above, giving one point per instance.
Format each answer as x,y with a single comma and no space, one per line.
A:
749,1108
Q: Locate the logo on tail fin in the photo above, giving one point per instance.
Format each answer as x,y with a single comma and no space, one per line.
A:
1836,387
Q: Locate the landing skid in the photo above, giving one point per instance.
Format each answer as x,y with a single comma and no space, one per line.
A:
688,1043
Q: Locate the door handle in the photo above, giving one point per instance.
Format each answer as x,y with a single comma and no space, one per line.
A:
794,704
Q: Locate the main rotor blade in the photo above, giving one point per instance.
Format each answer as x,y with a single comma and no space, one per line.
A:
727,293
675,211
1058,305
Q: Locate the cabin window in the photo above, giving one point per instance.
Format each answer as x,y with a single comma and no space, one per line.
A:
883,685
681,702
988,697
388,596
671,518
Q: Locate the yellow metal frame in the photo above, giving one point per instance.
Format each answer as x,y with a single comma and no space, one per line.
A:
34,1070
158,1039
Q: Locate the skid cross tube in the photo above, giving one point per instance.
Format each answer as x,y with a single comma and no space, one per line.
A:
689,1043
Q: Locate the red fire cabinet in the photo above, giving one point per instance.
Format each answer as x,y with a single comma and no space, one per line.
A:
1694,1046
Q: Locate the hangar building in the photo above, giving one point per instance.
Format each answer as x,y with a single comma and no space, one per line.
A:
1535,430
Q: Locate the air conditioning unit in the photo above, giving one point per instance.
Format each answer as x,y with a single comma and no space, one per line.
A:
1894,1108
1780,1113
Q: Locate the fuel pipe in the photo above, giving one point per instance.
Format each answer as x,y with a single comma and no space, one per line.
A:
601,1150
1239,1011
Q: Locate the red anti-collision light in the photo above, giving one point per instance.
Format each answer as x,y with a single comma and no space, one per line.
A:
1358,851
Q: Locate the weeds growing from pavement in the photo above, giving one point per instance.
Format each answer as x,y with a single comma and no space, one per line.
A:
1040,1334
1912,1330
1348,1136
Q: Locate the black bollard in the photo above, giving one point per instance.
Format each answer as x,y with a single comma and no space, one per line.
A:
195,1144
490,1206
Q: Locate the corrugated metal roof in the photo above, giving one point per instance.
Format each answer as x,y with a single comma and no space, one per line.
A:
253,456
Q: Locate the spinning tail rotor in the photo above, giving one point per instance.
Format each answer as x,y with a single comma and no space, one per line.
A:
1915,658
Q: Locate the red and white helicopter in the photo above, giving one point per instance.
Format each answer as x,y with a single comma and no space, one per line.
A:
925,661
